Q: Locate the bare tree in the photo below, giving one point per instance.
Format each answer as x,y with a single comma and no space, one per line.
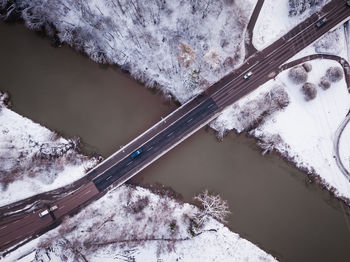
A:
212,205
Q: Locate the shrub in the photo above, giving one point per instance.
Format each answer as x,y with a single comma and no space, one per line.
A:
324,83
297,75
139,205
334,74
309,91
307,67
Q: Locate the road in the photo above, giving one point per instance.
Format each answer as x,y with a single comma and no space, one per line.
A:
183,122
249,47
336,142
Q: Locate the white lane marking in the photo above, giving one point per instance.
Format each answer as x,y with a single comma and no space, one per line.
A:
6,242
61,207
87,192
170,134
149,148
129,163
189,120
108,178
3,227
16,221
210,105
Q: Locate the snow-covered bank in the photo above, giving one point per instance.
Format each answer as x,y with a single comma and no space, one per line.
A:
304,131
126,223
35,159
178,46
133,224
311,144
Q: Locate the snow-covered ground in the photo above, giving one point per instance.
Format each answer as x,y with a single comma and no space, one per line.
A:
274,21
133,224
35,159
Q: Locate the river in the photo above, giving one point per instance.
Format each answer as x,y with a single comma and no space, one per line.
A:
273,204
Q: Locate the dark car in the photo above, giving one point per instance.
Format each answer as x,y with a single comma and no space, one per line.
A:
321,22
136,153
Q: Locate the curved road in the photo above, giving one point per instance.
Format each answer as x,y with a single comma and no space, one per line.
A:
249,47
336,141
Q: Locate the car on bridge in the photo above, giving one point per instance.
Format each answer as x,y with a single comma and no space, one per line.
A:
321,22
47,211
348,3
136,153
248,75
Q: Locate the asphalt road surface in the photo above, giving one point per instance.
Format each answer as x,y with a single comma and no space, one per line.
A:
162,137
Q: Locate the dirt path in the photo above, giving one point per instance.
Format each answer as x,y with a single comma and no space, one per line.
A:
249,47
336,142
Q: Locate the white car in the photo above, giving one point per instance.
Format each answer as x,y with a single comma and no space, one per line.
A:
247,75
53,208
47,211
44,213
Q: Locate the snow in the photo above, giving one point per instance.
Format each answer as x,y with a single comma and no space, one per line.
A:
122,226
274,21
34,159
332,43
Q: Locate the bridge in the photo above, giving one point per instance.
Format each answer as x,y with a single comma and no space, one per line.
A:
172,130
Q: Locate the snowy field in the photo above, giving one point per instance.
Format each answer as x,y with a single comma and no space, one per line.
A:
34,159
133,224
275,20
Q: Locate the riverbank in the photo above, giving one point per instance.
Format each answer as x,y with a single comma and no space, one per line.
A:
35,159
153,226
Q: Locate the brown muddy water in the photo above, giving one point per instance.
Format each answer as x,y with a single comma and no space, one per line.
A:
272,203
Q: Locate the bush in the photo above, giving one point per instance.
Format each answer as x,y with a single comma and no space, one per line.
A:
324,83
334,74
297,75
139,205
309,91
307,67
